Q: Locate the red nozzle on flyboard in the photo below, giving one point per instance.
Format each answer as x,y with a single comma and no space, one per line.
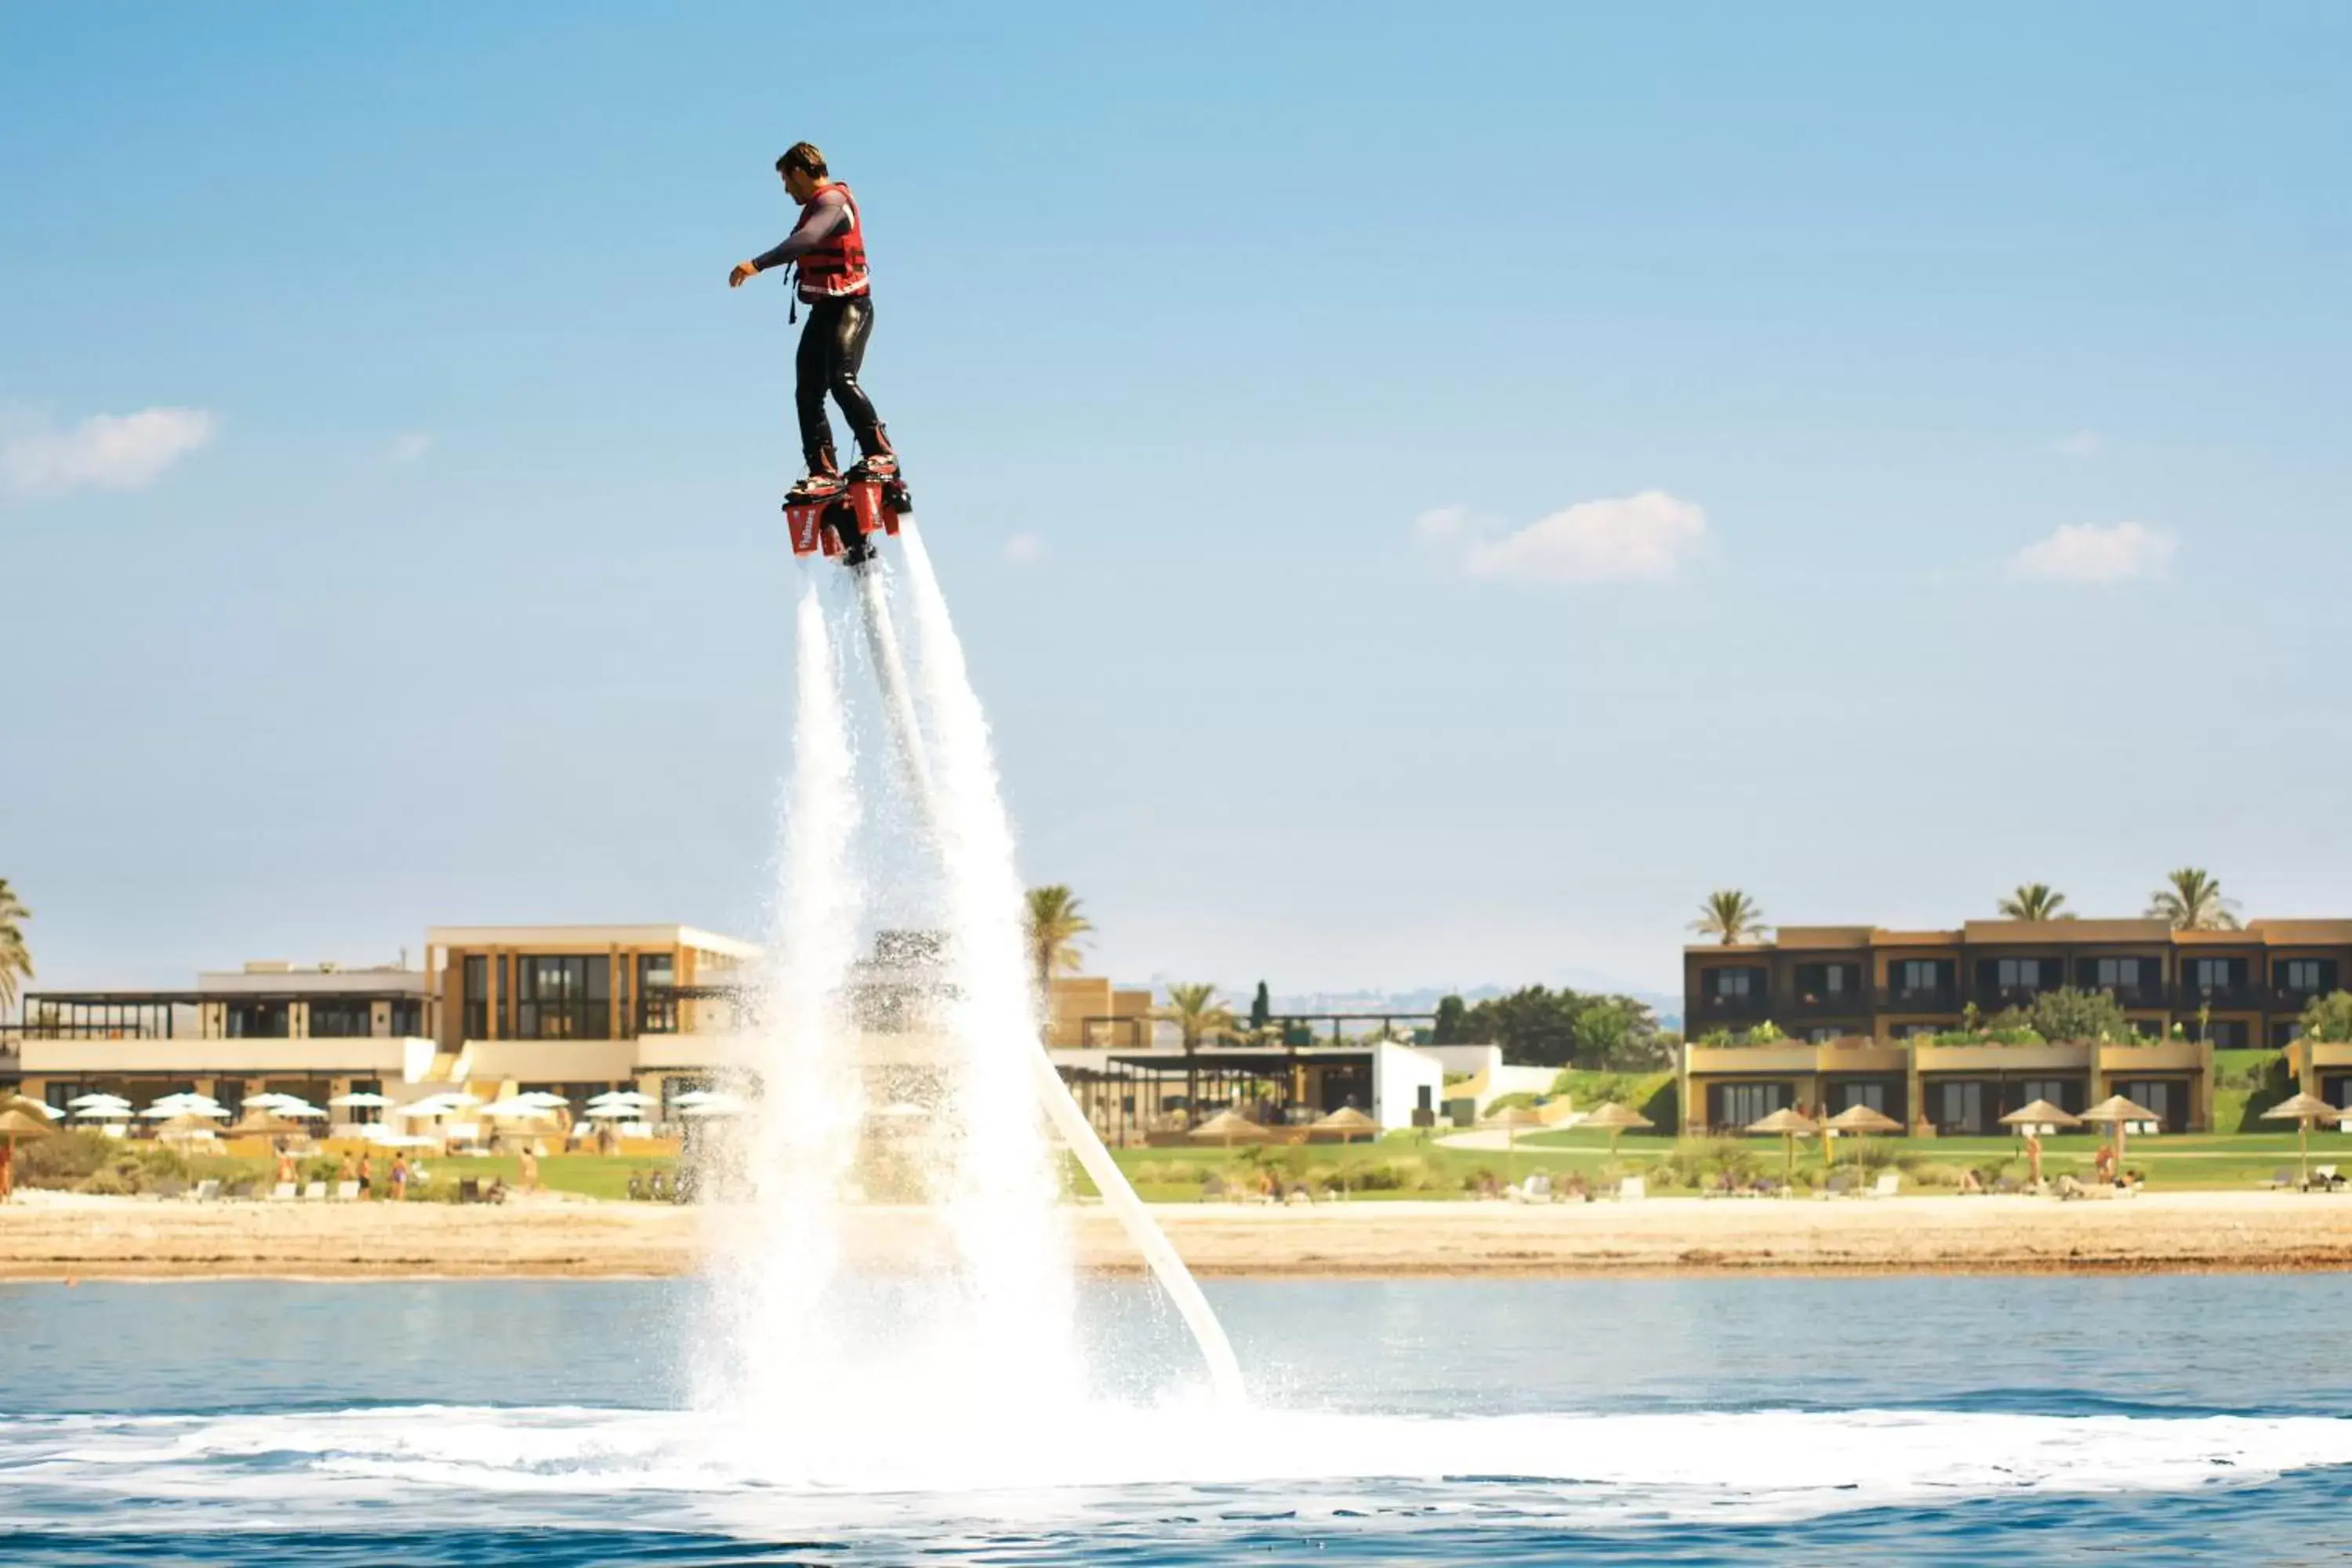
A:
833,516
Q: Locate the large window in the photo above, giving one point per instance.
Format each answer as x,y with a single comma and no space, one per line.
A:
564,997
656,1003
341,1018
1739,1104
1921,980
2216,973
2017,973
1846,1096
2168,1100
477,997
1960,1107
258,1021
2312,976
1828,984
1734,984
407,1018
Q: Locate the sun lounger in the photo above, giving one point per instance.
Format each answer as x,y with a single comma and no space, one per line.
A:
1838,1185
207,1190
2281,1179
170,1187
1633,1187
347,1191
469,1189
316,1192
2324,1179
282,1192
1887,1185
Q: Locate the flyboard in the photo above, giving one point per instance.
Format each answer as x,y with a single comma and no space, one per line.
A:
848,526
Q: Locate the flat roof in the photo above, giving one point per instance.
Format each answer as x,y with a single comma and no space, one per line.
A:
592,936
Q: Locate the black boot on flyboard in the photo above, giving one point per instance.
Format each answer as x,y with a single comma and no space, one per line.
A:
834,515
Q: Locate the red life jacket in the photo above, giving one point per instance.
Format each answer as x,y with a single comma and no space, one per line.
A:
836,268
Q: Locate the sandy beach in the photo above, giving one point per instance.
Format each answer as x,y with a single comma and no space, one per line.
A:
56,1238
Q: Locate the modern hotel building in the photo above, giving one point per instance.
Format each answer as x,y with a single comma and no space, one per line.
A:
1862,1008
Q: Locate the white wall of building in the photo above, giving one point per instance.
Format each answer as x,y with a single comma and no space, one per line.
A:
1398,1074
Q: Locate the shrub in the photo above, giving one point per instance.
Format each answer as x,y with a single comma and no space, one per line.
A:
62,1159
1172,1174
1509,1101
1400,1175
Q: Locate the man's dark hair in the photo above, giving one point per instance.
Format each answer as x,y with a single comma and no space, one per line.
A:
803,156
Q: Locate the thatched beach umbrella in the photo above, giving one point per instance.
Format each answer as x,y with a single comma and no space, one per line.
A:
1613,1119
17,1122
2040,1113
1862,1121
2119,1114
258,1124
1790,1125
1228,1127
1348,1122
1510,1119
2302,1110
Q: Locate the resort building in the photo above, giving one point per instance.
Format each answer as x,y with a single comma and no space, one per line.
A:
575,1010
1863,1008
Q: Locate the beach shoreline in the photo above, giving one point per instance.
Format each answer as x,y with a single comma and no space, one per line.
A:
54,1237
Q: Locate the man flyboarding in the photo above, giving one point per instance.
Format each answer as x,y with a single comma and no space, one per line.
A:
828,244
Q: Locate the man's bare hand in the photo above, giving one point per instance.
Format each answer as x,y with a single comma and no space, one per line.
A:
743,272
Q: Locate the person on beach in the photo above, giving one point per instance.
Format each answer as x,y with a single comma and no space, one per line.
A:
367,1175
2033,1156
350,1173
828,245
399,1178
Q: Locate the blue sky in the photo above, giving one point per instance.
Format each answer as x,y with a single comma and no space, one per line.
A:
1428,495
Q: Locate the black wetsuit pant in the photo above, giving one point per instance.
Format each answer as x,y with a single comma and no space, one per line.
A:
832,346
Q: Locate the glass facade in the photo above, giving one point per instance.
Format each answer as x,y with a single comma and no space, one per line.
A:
564,997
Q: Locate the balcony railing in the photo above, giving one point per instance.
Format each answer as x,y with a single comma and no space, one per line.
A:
2145,996
2189,996
2295,999
1749,1005
1829,1003
1919,998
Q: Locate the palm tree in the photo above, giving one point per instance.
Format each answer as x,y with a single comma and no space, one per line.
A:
2035,901
2193,900
1054,926
15,958
1197,1013
1730,916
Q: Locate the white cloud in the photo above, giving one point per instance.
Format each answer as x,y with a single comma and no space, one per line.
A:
2081,444
1441,524
2091,552
1024,547
1644,538
410,446
106,451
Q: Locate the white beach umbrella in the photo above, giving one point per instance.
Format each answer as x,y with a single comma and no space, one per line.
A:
105,1113
88,1104
545,1099
711,1104
614,1113
418,1110
516,1111
359,1097
296,1109
267,1099
623,1096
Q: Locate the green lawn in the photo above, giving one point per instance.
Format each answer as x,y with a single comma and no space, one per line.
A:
2172,1163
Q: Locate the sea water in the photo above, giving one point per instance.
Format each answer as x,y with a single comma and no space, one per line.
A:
1931,1420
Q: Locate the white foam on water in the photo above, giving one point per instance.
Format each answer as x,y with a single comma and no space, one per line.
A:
878,1469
